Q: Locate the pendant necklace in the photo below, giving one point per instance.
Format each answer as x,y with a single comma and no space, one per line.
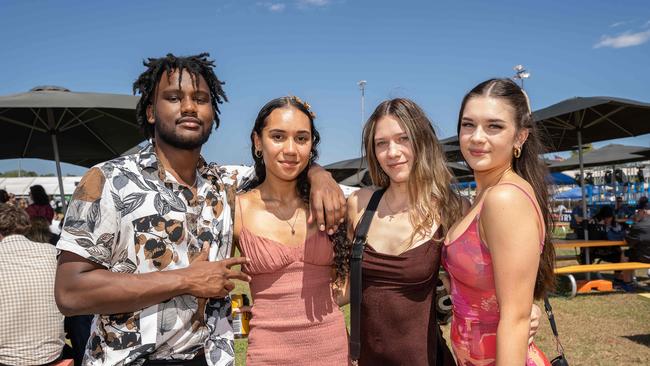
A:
292,226
392,213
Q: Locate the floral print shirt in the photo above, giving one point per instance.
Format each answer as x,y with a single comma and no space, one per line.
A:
131,216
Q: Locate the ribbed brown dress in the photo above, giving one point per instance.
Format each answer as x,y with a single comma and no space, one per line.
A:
398,322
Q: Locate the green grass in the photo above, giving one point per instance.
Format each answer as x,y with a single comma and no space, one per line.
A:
596,329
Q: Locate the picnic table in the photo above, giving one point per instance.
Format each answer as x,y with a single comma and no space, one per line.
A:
573,244
589,285
586,244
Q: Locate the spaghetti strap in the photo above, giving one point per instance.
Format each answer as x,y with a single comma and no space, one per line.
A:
241,212
532,201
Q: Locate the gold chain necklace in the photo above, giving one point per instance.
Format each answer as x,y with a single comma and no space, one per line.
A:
392,214
293,227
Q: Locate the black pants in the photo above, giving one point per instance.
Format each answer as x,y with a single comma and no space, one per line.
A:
78,330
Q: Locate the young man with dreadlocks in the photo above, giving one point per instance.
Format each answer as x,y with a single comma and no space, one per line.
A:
147,236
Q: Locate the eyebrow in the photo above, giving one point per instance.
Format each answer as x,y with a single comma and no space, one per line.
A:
391,136
175,88
284,131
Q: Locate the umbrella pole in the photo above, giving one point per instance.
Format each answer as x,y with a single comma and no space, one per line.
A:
585,224
55,146
57,159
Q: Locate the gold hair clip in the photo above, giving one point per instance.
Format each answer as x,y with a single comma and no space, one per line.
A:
304,104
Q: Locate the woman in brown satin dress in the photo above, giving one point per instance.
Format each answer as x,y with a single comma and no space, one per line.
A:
402,255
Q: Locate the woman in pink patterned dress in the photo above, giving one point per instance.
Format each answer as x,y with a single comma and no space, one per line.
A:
499,255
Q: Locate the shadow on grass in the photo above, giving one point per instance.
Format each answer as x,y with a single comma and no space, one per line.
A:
642,339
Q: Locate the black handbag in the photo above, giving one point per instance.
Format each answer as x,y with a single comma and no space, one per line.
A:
561,359
356,259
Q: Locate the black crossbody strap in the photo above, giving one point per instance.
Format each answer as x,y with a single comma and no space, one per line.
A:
551,319
355,273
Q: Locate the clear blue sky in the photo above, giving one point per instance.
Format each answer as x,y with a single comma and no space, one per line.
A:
430,51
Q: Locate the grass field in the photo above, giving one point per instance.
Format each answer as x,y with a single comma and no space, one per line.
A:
599,330
595,329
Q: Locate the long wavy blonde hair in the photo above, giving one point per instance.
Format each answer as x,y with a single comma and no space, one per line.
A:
431,196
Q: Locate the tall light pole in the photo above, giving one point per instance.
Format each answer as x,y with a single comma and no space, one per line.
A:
362,87
521,73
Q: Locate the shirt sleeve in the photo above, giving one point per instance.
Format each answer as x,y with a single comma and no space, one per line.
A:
244,175
90,227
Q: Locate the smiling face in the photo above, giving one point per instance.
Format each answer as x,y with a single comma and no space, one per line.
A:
285,143
488,133
393,149
183,116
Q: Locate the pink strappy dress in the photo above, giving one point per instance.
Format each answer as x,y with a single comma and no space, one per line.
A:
295,318
475,308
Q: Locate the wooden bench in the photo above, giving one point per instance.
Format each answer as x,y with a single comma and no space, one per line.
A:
600,285
577,244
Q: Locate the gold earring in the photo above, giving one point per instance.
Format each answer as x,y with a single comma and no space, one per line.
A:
258,154
517,152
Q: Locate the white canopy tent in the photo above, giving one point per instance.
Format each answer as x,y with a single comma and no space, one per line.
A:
20,186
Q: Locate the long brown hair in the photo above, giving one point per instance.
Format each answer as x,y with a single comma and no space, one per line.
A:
528,166
430,194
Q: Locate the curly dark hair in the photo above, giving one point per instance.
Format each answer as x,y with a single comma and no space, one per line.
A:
197,65
342,245
342,253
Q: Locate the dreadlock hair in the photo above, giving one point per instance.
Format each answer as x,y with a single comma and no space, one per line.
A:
197,65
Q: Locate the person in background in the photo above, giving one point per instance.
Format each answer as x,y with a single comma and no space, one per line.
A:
57,221
77,330
638,239
31,326
12,199
21,202
622,212
39,231
606,217
4,196
40,206
577,217
641,206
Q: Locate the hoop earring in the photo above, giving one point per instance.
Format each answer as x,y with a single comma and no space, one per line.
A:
258,154
517,152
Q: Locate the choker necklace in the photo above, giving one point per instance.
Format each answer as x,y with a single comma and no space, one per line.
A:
392,214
